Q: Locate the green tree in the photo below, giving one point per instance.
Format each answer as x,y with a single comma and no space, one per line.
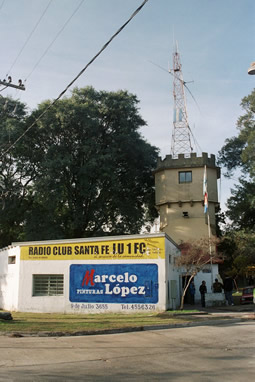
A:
14,178
241,206
238,245
93,168
239,152
238,248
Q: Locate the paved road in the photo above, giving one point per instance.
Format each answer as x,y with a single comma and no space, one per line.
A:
204,353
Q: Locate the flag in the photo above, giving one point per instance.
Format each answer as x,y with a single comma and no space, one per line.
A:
205,193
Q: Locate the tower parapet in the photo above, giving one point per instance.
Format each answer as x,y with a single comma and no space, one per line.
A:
186,162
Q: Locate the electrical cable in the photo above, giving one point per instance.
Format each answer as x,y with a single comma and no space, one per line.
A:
30,35
3,88
55,38
78,75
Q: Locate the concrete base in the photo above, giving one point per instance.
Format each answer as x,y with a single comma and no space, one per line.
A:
215,299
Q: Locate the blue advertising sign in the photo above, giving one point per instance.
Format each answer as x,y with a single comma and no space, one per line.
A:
114,283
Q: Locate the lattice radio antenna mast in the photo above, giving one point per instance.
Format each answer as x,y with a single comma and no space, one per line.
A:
181,136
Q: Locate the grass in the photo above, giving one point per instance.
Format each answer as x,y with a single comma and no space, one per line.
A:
71,323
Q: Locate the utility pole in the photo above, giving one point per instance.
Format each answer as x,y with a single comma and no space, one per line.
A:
181,137
9,83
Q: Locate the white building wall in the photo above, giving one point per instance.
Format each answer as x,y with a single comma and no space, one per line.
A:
9,279
204,275
16,283
207,277
61,304
43,304
17,279
172,276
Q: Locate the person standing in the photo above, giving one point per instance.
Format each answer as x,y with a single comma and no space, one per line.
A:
203,291
217,286
228,285
192,291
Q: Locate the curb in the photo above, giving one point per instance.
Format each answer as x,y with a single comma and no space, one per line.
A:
194,324
210,322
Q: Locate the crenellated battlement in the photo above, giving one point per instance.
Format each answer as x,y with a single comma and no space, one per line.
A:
185,162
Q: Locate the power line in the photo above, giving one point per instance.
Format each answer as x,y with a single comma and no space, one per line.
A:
78,75
55,38
30,35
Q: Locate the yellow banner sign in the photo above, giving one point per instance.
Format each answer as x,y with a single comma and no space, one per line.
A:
148,248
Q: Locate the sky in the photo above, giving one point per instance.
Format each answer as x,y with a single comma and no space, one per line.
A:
47,43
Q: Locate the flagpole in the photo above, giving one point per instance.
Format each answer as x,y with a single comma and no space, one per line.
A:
210,245
206,211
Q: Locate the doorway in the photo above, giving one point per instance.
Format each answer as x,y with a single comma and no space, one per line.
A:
188,298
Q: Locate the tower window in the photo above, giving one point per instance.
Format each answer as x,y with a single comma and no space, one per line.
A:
185,176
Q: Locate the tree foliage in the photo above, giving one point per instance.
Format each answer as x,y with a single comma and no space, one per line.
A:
85,168
241,207
14,179
238,248
239,153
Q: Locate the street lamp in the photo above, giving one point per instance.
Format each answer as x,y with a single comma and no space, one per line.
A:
251,70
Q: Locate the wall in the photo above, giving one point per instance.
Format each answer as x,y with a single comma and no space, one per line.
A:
9,279
172,276
62,303
204,275
207,277
185,228
171,190
141,259
174,198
